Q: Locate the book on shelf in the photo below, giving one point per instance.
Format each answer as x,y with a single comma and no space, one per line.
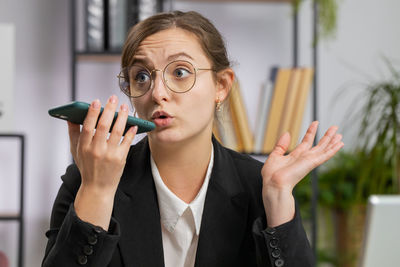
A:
264,101
224,129
290,102
148,8
281,109
95,22
107,22
276,109
240,119
287,107
232,127
301,101
239,146
132,13
118,23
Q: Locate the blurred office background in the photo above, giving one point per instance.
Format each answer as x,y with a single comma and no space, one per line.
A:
258,36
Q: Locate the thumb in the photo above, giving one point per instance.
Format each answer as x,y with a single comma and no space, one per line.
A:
282,145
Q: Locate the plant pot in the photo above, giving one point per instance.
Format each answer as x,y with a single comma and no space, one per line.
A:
349,234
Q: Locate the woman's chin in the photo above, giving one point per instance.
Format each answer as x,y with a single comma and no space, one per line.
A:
166,136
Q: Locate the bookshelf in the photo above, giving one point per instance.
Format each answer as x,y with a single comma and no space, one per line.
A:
114,56
19,216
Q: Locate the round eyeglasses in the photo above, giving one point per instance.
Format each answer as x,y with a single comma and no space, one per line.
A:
178,76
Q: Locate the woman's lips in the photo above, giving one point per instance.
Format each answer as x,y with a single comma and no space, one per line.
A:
162,122
161,118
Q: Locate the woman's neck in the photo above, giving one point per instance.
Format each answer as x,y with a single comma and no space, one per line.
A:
183,166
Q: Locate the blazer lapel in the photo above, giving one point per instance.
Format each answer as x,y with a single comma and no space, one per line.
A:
224,218
136,209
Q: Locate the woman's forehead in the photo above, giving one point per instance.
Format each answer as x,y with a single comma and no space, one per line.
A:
171,44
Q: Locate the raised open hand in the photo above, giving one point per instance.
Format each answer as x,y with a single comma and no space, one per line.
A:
282,172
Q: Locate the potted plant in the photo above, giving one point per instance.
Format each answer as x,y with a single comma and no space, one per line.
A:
327,17
371,167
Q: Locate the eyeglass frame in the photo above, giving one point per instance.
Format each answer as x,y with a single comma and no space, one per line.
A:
119,76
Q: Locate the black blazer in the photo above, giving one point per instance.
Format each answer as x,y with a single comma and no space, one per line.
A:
233,228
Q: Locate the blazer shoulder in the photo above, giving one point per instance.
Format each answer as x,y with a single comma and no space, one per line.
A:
245,163
245,160
248,168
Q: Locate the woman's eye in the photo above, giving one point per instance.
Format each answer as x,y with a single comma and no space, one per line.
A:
142,77
181,73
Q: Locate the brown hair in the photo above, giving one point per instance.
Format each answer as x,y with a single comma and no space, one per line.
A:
209,37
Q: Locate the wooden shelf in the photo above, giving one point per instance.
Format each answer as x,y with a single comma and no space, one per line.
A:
105,57
10,216
243,1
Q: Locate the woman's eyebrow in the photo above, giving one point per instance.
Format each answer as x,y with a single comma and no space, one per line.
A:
140,60
146,62
177,55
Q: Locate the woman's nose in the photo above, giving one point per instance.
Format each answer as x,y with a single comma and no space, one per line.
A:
159,91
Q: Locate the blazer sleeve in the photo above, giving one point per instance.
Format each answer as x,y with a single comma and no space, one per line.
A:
284,245
71,241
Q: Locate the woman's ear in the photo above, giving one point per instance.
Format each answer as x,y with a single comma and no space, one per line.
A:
225,80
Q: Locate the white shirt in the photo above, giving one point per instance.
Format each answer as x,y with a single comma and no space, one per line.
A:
180,222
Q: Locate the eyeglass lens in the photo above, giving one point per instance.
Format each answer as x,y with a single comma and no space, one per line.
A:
178,76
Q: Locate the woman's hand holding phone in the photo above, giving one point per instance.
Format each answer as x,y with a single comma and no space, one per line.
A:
100,160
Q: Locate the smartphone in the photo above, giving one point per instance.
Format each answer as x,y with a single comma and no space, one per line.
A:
76,112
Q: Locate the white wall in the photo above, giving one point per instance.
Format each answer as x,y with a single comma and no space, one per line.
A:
258,36
42,79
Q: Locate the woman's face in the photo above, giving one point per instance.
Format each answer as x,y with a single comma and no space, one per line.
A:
178,116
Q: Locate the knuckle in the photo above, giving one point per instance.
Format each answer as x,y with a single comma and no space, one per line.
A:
96,154
86,129
102,127
82,149
118,131
113,158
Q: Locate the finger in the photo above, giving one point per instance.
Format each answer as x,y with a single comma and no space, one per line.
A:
327,138
335,139
119,125
90,122
128,139
105,121
330,152
308,139
282,145
73,132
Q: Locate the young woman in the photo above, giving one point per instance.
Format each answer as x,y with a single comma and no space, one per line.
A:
178,197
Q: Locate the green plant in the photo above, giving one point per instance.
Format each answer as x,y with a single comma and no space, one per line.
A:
327,17
380,132
371,167
338,180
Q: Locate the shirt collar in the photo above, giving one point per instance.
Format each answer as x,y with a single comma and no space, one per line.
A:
171,207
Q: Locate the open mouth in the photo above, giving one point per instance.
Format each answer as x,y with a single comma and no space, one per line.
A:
160,115
161,118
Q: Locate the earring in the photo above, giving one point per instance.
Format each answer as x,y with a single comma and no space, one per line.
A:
218,106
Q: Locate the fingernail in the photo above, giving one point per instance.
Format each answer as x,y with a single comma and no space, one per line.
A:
96,104
124,107
112,99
